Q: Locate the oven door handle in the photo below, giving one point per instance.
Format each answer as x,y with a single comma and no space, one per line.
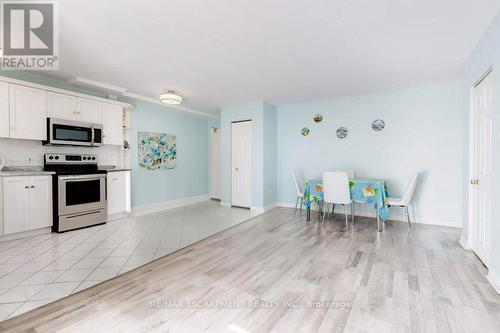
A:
83,177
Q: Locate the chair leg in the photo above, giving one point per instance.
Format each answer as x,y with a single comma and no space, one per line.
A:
333,209
346,218
407,213
324,214
296,203
352,212
301,204
378,222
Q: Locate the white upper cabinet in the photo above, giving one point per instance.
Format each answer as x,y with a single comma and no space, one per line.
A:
4,110
28,112
61,106
112,124
89,110
24,110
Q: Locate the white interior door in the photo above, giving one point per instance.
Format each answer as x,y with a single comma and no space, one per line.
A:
481,169
214,163
241,155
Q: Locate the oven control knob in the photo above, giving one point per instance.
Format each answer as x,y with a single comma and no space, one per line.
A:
51,157
93,158
57,157
84,158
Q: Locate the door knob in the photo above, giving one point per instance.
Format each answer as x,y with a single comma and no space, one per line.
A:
237,169
474,181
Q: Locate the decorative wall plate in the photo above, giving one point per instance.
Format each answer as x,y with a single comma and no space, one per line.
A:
305,131
318,118
342,132
378,125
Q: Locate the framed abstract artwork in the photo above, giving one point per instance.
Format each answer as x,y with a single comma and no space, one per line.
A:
157,151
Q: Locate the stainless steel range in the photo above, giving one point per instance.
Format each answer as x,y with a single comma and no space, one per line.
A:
79,191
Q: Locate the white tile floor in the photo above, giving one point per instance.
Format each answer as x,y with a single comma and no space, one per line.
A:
38,270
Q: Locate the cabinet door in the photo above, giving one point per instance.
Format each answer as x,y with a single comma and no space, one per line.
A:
61,106
28,113
118,192
89,110
112,124
40,202
16,193
4,109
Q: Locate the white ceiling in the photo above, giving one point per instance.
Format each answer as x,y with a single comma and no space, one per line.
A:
218,52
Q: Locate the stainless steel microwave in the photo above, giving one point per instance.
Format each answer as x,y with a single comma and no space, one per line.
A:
73,133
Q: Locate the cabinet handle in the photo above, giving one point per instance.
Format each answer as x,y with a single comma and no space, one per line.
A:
32,186
26,187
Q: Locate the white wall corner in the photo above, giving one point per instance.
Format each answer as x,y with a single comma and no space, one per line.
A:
165,205
494,278
270,207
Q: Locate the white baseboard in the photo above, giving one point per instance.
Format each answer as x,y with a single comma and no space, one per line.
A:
393,217
464,243
165,205
262,210
494,279
119,216
25,234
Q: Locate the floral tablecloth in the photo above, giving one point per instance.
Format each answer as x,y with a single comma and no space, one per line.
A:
362,191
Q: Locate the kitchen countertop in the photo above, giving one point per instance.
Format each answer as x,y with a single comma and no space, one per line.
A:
25,172
112,168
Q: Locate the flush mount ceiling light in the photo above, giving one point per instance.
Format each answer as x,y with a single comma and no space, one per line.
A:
171,98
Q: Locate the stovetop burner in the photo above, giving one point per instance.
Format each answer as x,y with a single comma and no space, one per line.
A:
71,164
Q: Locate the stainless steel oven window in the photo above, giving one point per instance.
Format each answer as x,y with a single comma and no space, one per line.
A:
81,193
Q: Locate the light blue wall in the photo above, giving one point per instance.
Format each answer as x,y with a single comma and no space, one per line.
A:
423,132
486,54
246,111
190,177
270,185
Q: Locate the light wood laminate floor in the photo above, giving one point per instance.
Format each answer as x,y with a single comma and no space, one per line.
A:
360,281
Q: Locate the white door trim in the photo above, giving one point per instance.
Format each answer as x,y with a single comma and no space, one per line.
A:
214,163
470,224
239,202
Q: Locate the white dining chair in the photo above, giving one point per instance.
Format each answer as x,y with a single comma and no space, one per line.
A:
336,191
299,182
406,199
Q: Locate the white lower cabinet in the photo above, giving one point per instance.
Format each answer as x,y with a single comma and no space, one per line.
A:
27,203
118,184
40,202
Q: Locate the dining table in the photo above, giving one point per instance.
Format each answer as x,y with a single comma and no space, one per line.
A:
366,191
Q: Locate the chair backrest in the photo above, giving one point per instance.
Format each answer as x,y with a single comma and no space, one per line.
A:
409,190
299,182
336,187
350,173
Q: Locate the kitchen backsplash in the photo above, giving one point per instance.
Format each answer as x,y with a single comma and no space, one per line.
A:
30,153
